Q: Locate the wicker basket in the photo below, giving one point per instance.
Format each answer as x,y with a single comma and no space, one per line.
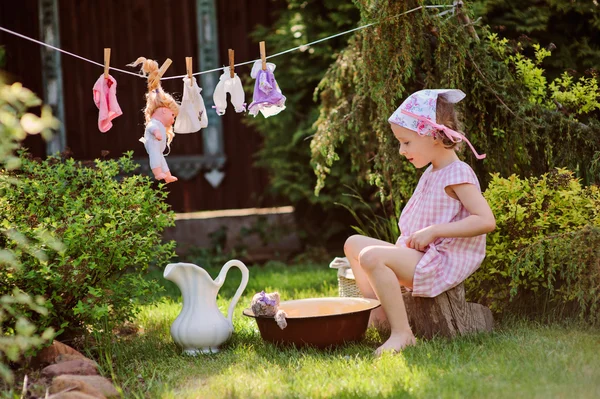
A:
347,287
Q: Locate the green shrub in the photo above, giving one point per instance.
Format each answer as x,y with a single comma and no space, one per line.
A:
18,335
373,218
544,256
19,338
110,226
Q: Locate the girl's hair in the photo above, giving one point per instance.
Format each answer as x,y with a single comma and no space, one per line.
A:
156,96
446,115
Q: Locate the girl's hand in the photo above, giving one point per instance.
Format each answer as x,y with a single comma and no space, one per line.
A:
157,135
421,239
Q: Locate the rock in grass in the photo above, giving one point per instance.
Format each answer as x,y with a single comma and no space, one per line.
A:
78,367
73,395
94,385
49,354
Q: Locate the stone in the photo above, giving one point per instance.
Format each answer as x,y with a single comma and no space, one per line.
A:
93,385
49,354
79,367
73,395
67,357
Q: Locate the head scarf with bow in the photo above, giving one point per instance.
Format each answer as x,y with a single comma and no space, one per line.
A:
417,113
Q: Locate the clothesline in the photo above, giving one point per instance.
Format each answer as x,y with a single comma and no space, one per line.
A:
304,46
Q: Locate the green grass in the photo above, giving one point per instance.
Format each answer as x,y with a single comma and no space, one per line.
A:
519,359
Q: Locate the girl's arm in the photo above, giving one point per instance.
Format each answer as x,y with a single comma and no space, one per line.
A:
480,221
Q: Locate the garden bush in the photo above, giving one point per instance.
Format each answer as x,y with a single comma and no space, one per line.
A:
110,226
18,335
543,259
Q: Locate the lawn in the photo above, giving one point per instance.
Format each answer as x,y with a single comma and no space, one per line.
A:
519,359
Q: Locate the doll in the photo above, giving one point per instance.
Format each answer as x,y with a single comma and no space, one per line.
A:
268,305
159,114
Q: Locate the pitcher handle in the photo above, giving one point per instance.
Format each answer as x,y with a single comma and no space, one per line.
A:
245,274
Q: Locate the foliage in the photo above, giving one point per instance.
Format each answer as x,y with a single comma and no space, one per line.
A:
19,338
111,228
545,252
16,122
385,63
286,147
571,98
18,334
373,219
581,96
572,26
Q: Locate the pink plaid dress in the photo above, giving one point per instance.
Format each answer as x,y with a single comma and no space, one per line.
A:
447,261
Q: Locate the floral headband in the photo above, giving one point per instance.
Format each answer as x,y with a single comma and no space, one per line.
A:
417,113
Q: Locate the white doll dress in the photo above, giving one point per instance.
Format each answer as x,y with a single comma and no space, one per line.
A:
233,86
192,112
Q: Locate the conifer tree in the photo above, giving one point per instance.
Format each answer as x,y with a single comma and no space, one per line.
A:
511,111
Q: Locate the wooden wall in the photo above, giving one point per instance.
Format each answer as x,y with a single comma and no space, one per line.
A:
154,29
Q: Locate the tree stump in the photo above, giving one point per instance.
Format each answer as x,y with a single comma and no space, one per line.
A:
448,314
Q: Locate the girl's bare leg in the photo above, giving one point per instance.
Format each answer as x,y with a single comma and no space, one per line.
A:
386,266
352,248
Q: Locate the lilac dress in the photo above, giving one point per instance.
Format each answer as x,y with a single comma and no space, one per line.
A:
267,95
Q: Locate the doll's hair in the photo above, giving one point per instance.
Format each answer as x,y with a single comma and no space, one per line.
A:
446,114
156,97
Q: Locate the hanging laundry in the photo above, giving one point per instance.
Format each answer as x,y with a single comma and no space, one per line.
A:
267,94
105,98
192,112
233,86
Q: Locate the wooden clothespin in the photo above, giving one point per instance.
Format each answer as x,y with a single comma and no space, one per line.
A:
164,67
188,68
106,62
263,55
231,64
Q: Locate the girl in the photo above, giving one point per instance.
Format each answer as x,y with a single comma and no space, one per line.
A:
442,227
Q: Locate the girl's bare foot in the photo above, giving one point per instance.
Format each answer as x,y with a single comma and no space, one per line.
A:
396,343
170,179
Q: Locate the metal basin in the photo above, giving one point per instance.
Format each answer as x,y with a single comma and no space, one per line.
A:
318,322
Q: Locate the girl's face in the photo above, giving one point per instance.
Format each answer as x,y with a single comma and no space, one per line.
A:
419,150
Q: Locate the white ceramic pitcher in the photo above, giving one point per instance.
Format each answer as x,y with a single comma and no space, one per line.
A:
201,327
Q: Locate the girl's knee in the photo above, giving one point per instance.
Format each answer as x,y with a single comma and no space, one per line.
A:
369,259
351,244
